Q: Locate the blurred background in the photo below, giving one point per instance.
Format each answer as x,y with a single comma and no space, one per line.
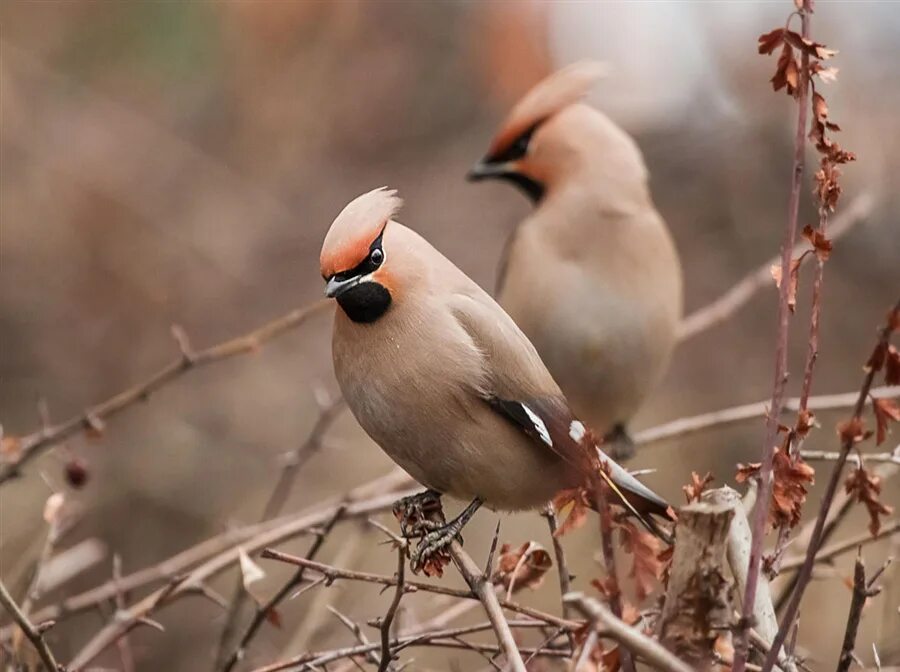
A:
180,162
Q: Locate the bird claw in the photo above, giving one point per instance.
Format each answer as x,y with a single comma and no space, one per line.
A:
431,554
419,514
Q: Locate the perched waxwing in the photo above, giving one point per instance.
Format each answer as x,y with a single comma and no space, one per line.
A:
444,381
591,275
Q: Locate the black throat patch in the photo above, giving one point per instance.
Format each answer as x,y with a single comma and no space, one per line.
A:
366,302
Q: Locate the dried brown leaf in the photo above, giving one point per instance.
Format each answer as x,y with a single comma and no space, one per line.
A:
768,42
886,411
866,489
892,366
791,479
646,568
695,488
792,287
522,567
821,245
579,500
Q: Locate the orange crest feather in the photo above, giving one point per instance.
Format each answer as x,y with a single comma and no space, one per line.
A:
547,97
352,232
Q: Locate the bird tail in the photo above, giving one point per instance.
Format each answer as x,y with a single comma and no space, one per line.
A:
636,497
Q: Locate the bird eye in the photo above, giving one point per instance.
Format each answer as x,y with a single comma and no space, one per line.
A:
376,256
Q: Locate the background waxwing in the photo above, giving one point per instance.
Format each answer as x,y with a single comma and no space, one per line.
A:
591,276
445,382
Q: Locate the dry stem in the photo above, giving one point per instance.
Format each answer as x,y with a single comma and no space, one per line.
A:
847,441
642,646
35,637
31,445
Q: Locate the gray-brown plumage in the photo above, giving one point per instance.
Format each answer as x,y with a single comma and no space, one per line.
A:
441,377
591,276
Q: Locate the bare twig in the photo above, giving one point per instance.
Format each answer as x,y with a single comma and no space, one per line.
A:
264,611
862,591
609,560
388,619
440,638
834,456
761,512
274,505
847,441
738,295
642,646
33,444
562,567
192,583
484,589
174,567
357,631
33,635
334,573
828,553
727,416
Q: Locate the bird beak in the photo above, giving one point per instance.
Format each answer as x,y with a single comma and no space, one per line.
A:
484,170
335,287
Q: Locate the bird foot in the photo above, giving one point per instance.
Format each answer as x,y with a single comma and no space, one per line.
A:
432,552
618,444
419,514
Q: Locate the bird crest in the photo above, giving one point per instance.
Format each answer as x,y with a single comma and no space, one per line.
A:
549,96
353,230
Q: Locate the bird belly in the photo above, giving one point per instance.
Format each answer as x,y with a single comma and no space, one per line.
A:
448,438
605,351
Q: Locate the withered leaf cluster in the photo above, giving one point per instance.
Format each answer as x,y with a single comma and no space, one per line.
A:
695,488
865,487
522,566
790,481
645,550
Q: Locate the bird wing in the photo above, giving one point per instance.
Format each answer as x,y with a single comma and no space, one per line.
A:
519,387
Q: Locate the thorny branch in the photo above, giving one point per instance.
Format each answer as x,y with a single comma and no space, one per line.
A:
781,362
639,644
738,295
265,611
328,414
848,439
31,632
448,638
195,580
609,561
388,620
26,448
862,590
175,567
828,553
332,574
715,419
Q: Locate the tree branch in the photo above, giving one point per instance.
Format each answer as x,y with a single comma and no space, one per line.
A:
328,414
727,416
33,444
484,589
847,441
193,582
738,295
862,591
332,574
387,621
35,637
634,640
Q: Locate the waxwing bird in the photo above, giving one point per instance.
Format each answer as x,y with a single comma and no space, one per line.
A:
591,275
445,382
